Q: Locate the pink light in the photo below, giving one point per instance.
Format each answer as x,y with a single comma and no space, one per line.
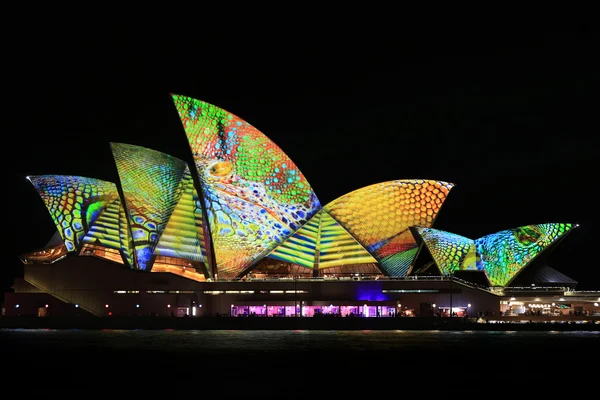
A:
106,305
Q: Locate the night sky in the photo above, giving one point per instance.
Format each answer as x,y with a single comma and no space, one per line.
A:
509,116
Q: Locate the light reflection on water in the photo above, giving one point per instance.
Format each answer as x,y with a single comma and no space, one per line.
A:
293,341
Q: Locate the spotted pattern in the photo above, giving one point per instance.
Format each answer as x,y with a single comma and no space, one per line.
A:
379,217
451,252
74,203
255,196
504,254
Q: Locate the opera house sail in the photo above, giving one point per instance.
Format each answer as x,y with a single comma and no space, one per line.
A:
501,255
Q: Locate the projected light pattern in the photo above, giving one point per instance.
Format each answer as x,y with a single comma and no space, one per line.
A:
105,231
125,238
183,236
504,254
379,216
254,194
451,252
152,186
74,203
322,243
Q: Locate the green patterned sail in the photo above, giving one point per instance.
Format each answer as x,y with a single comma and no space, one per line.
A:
451,252
504,254
255,196
501,255
184,235
152,184
74,203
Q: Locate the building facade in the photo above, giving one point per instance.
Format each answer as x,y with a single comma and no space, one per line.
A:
242,233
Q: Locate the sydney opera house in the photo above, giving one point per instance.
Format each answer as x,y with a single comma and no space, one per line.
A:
242,233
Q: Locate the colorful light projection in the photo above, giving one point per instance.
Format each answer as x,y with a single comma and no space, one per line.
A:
74,203
111,230
183,236
322,243
451,252
255,196
501,255
504,254
152,184
379,216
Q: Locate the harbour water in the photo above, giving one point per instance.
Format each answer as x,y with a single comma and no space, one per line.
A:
263,360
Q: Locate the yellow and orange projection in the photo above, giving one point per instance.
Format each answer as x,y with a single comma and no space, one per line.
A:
379,216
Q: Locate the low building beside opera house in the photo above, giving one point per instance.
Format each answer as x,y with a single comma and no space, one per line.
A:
242,233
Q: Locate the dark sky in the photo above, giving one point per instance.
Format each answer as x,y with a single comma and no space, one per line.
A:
508,115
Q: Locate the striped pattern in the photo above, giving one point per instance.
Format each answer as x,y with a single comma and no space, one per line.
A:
152,187
126,239
183,236
106,231
322,243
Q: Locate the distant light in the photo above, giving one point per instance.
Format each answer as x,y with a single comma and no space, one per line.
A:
200,305
399,305
76,305
331,305
433,305
106,305
469,305
264,305
595,305
232,305
137,306
533,284
168,306
513,298
17,306
46,305
553,304
562,299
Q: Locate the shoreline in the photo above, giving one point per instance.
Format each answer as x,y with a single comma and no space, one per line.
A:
301,323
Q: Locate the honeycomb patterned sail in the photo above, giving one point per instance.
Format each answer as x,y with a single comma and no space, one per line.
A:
451,252
152,184
255,196
379,216
184,234
322,243
504,254
74,203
